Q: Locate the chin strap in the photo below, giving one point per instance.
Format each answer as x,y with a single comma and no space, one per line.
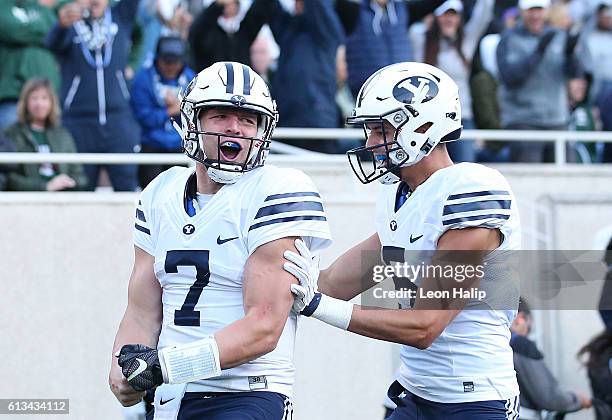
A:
223,177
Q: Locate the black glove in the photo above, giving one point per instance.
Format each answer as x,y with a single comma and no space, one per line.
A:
545,40
142,360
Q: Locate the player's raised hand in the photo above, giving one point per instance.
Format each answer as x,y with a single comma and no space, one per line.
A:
140,365
69,13
305,268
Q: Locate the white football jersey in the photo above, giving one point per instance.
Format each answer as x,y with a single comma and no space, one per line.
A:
199,259
471,360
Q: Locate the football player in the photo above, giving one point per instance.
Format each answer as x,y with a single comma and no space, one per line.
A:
456,361
209,304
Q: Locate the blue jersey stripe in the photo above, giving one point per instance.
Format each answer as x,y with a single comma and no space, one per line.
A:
140,215
295,194
286,219
479,217
142,229
478,194
476,205
289,207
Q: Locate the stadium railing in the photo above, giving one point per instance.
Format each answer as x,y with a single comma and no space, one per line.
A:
560,139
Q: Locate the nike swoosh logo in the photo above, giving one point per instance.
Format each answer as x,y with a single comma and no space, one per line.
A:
222,241
165,402
142,366
413,240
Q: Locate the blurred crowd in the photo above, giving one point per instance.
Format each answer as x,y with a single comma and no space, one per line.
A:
102,76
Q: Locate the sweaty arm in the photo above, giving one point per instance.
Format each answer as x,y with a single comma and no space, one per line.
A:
141,322
417,327
267,302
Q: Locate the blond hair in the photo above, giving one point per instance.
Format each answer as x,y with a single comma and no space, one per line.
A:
53,119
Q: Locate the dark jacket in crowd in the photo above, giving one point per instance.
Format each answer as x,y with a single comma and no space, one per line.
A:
26,177
23,26
93,83
539,388
381,37
304,85
6,145
211,43
534,70
150,110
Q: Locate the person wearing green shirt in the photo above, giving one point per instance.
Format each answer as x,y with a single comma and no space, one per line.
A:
23,55
38,130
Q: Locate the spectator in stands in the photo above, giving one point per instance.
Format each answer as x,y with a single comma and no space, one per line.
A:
148,19
175,17
262,60
380,36
6,145
225,31
344,98
155,100
599,350
450,46
539,388
158,18
582,10
535,62
559,16
598,42
605,112
38,130
500,15
599,356
483,86
344,101
304,84
583,117
23,26
92,45
483,82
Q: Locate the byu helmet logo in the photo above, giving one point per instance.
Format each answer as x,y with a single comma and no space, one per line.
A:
415,90
238,100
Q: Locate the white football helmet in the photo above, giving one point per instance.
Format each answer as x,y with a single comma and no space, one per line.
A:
420,101
227,85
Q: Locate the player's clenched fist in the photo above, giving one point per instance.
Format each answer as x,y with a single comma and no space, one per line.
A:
140,365
122,390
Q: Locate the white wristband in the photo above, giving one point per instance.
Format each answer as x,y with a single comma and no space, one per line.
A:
334,312
190,362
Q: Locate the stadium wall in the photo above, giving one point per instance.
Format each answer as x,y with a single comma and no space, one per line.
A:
66,259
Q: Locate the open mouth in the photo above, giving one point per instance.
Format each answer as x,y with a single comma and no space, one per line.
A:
229,150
